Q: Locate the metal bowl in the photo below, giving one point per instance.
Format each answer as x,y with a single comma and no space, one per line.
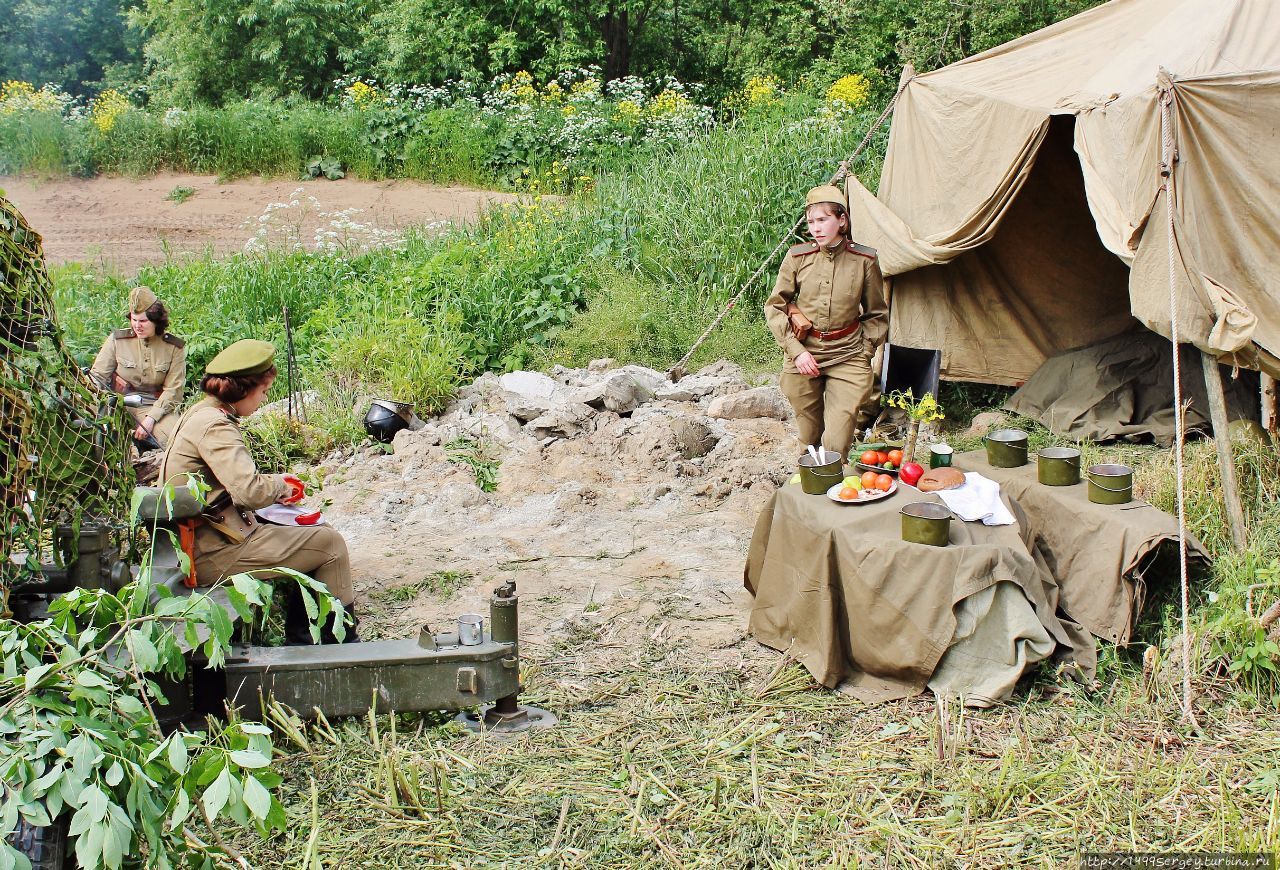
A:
385,418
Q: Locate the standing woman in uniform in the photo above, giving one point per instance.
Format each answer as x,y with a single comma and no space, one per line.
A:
146,359
230,539
828,314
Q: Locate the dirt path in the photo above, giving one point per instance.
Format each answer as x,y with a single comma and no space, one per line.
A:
125,223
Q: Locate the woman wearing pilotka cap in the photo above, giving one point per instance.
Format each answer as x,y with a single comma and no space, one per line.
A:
828,314
146,359
230,539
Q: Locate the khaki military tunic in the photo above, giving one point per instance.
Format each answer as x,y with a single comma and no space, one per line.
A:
155,366
835,288
208,442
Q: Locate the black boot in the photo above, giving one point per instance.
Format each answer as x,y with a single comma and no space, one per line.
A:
297,628
326,632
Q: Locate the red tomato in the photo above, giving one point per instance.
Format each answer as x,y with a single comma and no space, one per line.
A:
895,456
911,473
868,458
884,482
869,479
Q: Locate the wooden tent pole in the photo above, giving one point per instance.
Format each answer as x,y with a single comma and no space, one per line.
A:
1222,438
1269,403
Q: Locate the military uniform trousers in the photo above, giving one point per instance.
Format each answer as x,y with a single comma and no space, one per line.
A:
826,406
317,551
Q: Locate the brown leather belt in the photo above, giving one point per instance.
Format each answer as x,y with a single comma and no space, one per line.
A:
835,333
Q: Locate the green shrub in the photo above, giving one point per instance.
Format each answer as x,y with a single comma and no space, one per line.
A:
448,147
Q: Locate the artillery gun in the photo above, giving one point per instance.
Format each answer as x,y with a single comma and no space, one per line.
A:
65,490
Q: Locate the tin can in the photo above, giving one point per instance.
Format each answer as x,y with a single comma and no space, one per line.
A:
470,629
939,455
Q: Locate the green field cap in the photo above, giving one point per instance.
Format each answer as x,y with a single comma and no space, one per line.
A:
249,356
825,193
140,299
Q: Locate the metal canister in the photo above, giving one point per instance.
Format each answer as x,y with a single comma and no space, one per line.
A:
926,522
1007,448
470,629
1110,484
940,455
818,477
1058,466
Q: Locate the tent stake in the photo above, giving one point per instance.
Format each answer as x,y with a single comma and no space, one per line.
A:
1222,438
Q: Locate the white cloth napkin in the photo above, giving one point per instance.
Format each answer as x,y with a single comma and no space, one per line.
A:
978,499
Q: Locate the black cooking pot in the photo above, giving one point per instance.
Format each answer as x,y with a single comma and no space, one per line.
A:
384,419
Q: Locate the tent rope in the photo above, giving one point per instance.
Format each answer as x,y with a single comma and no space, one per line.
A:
1166,171
677,371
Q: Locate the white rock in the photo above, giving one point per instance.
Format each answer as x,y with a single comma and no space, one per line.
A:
564,419
984,423
760,402
691,389
601,365
527,394
621,391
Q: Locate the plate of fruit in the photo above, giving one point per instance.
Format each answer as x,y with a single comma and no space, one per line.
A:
867,488
880,461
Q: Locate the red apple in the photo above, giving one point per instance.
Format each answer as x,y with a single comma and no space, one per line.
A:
910,473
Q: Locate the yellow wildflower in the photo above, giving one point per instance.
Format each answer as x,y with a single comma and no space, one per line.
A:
17,96
108,107
627,110
362,95
850,91
762,90
667,103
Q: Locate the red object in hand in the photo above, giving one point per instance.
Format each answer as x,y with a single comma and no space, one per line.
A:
296,490
307,519
910,473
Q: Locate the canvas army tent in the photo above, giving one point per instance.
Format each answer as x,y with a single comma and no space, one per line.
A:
1020,210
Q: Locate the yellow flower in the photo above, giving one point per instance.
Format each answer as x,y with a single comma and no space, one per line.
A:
850,91
362,95
628,110
109,106
762,91
666,104
17,96
568,110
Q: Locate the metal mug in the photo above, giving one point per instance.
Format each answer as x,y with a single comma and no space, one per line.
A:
470,629
940,456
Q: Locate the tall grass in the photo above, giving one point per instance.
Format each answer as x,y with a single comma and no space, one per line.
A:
634,270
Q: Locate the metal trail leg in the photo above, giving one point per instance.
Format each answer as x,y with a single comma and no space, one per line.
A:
507,715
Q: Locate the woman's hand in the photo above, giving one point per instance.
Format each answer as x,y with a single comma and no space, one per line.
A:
296,490
144,429
807,365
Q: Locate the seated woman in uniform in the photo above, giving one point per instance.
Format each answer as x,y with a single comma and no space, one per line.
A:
147,360
230,540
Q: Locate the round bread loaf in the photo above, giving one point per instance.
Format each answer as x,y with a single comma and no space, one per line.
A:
940,478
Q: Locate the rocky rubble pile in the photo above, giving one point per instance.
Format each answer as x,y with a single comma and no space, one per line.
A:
623,425
621,499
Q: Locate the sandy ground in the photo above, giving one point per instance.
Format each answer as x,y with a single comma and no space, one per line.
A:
125,223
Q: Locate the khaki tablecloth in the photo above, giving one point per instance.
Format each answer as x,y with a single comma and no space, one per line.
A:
1097,554
839,590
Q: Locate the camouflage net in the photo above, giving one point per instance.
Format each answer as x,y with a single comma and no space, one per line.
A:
63,449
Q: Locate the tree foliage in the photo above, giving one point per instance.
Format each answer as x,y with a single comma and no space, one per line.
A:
75,44
220,50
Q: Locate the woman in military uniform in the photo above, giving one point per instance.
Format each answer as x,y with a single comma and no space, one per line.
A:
230,539
147,360
828,314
